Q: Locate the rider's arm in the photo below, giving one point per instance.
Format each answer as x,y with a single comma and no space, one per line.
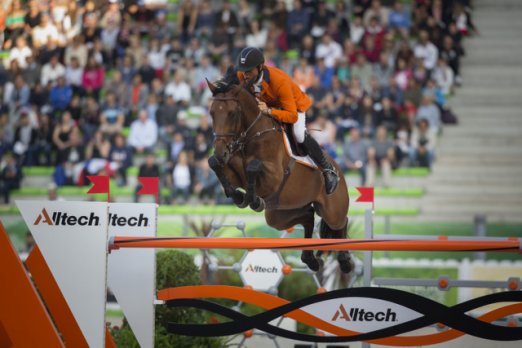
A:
288,112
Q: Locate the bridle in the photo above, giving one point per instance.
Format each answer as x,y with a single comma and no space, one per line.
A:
237,144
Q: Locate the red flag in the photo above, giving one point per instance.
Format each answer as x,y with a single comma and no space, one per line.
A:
101,185
150,187
366,195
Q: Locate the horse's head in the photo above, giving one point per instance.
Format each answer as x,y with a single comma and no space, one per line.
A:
228,112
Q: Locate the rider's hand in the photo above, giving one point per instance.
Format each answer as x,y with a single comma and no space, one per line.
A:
262,106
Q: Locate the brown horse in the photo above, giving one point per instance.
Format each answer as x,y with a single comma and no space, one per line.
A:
250,154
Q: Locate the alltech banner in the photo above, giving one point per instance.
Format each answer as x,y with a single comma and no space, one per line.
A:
72,237
131,275
374,315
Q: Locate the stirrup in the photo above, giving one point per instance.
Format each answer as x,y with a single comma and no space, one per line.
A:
333,171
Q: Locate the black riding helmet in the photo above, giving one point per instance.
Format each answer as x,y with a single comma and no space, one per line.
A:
249,58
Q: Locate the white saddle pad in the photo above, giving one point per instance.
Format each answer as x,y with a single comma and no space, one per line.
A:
306,160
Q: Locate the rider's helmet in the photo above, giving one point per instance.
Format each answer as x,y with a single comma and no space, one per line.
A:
249,58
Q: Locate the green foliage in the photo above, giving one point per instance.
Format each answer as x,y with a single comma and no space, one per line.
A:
173,269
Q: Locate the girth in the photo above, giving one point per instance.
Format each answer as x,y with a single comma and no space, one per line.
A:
272,200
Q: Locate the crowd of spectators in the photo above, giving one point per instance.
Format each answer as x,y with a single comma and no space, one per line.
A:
97,86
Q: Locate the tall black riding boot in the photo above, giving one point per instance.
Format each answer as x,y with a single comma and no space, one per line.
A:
331,177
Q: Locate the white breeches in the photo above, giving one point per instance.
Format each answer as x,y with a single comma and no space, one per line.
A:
300,127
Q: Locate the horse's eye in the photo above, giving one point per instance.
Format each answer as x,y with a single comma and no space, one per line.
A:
232,114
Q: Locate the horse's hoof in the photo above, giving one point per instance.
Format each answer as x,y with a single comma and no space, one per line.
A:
314,265
260,205
243,205
320,261
346,265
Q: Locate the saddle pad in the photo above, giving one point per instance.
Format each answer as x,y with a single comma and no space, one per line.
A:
307,161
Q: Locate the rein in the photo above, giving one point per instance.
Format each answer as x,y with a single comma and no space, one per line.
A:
236,144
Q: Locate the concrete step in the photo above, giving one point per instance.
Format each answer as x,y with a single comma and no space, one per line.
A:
477,151
479,132
455,160
471,208
464,217
479,199
478,179
434,190
482,141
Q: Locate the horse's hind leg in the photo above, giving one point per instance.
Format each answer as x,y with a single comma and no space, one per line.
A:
237,196
252,171
284,219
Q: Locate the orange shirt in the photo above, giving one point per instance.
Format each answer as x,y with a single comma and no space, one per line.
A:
279,91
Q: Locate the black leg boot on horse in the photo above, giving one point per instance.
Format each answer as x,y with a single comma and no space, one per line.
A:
331,177
253,169
237,196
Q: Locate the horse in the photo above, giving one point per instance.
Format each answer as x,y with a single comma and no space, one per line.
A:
249,153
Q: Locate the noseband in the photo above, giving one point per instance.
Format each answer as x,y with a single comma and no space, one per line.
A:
236,144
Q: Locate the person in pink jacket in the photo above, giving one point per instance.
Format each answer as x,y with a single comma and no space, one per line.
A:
92,80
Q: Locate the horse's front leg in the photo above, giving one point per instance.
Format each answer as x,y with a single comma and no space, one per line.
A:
252,171
237,196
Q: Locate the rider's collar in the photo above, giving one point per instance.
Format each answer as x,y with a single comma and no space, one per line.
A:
266,75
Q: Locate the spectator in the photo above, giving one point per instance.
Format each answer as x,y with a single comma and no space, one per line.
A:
143,133
48,50
429,112
342,19
356,91
33,18
136,52
137,95
388,116
42,32
350,51
90,120
33,72
420,73
370,51
39,96
389,49
174,55
303,74
72,22
127,70
20,94
336,97
298,21
122,155
399,19
60,95
173,150
324,132
367,117
321,17
382,70
72,156
74,75
97,147
380,154
413,94
186,14
355,154
201,148
376,11
374,91
207,183
111,18
426,50
43,142
435,92
195,50
356,30
348,117
157,58
422,145
118,87
307,49
463,20
376,32
20,52
181,178
325,73
152,106
403,74
362,70
179,90
146,71
6,135
444,77
450,55
75,109
330,50
218,43
91,32
52,195
393,92
406,53
14,22
205,19
25,136
78,50
343,71
166,119
51,71
205,71
205,129
318,93
10,177
112,117
61,135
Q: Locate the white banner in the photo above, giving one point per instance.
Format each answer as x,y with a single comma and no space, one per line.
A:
72,237
261,269
132,272
361,314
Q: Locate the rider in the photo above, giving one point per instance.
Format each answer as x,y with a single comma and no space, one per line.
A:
284,100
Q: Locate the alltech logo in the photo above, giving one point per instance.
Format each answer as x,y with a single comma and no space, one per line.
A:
260,269
359,314
61,218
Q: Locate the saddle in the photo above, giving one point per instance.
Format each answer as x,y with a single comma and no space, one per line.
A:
297,149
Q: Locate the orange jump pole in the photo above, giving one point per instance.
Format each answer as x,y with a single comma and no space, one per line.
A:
315,244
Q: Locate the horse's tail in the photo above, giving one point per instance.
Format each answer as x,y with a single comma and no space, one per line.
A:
327,232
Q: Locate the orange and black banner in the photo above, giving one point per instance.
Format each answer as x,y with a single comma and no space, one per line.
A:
379,314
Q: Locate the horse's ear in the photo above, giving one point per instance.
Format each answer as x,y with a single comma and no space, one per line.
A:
238,89
211,86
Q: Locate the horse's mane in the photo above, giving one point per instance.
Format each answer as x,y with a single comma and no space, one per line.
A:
229,81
